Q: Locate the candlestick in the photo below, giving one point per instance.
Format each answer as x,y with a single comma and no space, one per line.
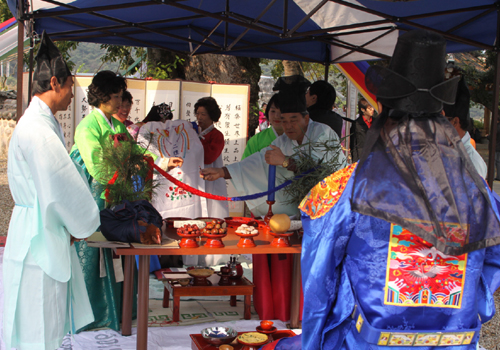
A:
271,182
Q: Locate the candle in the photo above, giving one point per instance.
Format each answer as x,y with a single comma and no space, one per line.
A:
271,181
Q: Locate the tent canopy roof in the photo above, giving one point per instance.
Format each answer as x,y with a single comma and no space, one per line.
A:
307,30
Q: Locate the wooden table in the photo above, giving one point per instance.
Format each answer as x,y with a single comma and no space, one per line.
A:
198,343
240,286
263,242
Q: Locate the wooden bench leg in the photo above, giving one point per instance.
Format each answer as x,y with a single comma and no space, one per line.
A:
232,301
166,297
175,311
247,308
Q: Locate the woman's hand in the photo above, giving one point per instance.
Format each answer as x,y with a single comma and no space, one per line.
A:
175,162
73,240
274,156
211,174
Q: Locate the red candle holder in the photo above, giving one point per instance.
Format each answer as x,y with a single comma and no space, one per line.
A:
281,240
246,240
189,240
214,240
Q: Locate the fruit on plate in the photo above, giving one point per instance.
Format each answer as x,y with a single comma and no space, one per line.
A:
246,230
279,223
189,230
215,227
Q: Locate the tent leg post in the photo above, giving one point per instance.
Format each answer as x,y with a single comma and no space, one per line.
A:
494,118
20,64
30,79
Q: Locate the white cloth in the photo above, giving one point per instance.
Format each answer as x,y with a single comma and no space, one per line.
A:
474,156
53,201
176,138
250,176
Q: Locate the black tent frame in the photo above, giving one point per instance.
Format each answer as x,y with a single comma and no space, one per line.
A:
283,34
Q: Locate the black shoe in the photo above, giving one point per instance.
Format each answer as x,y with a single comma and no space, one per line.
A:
497,179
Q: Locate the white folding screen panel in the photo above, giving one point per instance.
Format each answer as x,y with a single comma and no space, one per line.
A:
137,89
233,101
160,91
82,107
192,92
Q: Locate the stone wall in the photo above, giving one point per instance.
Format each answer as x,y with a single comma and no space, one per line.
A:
8,118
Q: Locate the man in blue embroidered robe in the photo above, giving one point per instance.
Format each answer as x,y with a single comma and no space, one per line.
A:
401,249
44,292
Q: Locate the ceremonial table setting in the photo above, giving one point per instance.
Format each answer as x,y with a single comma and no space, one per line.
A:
141,231
231,240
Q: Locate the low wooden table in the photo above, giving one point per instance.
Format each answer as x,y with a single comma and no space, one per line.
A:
240,286
263,242
198,343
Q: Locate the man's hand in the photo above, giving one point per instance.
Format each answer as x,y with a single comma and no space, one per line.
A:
211,174
175,162
274,156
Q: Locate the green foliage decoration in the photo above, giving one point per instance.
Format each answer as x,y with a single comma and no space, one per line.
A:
328,164
125,159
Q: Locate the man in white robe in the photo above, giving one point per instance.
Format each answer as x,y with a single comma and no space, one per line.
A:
44,292
458,116
250,175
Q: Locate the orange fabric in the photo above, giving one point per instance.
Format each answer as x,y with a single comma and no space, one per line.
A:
473,143
326,194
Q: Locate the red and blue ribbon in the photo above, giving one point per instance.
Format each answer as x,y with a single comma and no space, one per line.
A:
222,198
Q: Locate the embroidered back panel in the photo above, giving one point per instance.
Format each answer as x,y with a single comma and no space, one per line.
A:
420,275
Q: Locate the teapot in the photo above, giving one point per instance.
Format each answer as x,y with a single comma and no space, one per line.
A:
236,270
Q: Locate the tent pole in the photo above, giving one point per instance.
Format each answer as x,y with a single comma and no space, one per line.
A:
327,66
285,17
30,83
494,111
20,63
226,31
493,128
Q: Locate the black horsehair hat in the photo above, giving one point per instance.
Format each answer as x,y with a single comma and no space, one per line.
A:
49,62
292,93
430,186
414,81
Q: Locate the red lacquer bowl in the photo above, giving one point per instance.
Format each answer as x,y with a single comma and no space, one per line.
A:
214,240
246,240
189,240
266,325
281,240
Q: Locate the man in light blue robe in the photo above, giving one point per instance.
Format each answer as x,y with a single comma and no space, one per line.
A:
44,292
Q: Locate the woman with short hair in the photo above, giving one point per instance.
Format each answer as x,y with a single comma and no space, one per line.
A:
124,110
207,112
